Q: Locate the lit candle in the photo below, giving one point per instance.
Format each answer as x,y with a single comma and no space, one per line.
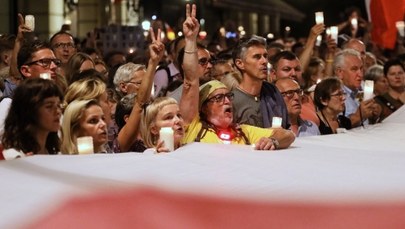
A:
334,33
400,26
318,40
85,145
30,22
319,17
166,135
276,122
327,31
368,89
354,23
45,75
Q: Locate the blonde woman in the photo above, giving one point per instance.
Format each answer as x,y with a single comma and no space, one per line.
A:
83,118
162,112
90,88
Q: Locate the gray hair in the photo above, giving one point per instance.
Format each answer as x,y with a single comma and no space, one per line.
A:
374,72
124,73
239,51
340,57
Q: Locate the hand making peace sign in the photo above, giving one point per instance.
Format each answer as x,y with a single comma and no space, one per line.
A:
191,26
156,48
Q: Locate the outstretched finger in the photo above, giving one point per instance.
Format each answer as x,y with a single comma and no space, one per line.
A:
194,11
152,35
159,33
188,10
20,19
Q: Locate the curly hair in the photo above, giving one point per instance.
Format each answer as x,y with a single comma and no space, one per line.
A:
22,120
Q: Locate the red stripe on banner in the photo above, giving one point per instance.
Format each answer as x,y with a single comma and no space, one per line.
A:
384,14
154,208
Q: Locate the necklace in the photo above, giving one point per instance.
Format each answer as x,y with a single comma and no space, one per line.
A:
257,97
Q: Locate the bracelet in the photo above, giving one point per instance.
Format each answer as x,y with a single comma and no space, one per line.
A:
329,61
190,52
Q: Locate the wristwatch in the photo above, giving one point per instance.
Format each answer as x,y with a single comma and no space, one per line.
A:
275,142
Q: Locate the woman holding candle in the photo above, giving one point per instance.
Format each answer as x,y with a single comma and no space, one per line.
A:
329,98
392,100
162,112
212,120
83,118
34,133
376,74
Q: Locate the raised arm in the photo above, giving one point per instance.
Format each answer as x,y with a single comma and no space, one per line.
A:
305,56
128,134
19,41
330,56
189,99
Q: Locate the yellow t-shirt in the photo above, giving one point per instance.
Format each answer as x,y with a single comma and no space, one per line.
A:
252,133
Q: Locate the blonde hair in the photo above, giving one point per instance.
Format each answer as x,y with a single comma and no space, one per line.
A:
149,118
71,124
85,89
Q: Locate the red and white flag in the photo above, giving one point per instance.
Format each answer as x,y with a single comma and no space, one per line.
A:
384,14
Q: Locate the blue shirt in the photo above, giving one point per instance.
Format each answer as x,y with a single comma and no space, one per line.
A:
307,128
351,103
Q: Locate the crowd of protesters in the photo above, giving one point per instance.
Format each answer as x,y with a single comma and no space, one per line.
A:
57,91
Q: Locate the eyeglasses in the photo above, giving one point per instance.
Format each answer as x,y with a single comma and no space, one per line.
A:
204,61
340,94
46,62
64,46
220,98
289,94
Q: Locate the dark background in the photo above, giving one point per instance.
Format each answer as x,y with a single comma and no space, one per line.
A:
334,13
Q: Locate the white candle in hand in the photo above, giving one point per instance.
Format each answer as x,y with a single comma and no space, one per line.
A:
276,122
401,28
368,90
319,17
166,135
30,22
334,33
354,23
85,145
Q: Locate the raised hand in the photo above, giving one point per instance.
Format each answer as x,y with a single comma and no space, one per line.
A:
191,26
156,48
22,28
317,30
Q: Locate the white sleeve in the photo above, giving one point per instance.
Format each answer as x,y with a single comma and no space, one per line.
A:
4,108
10,154
161,80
